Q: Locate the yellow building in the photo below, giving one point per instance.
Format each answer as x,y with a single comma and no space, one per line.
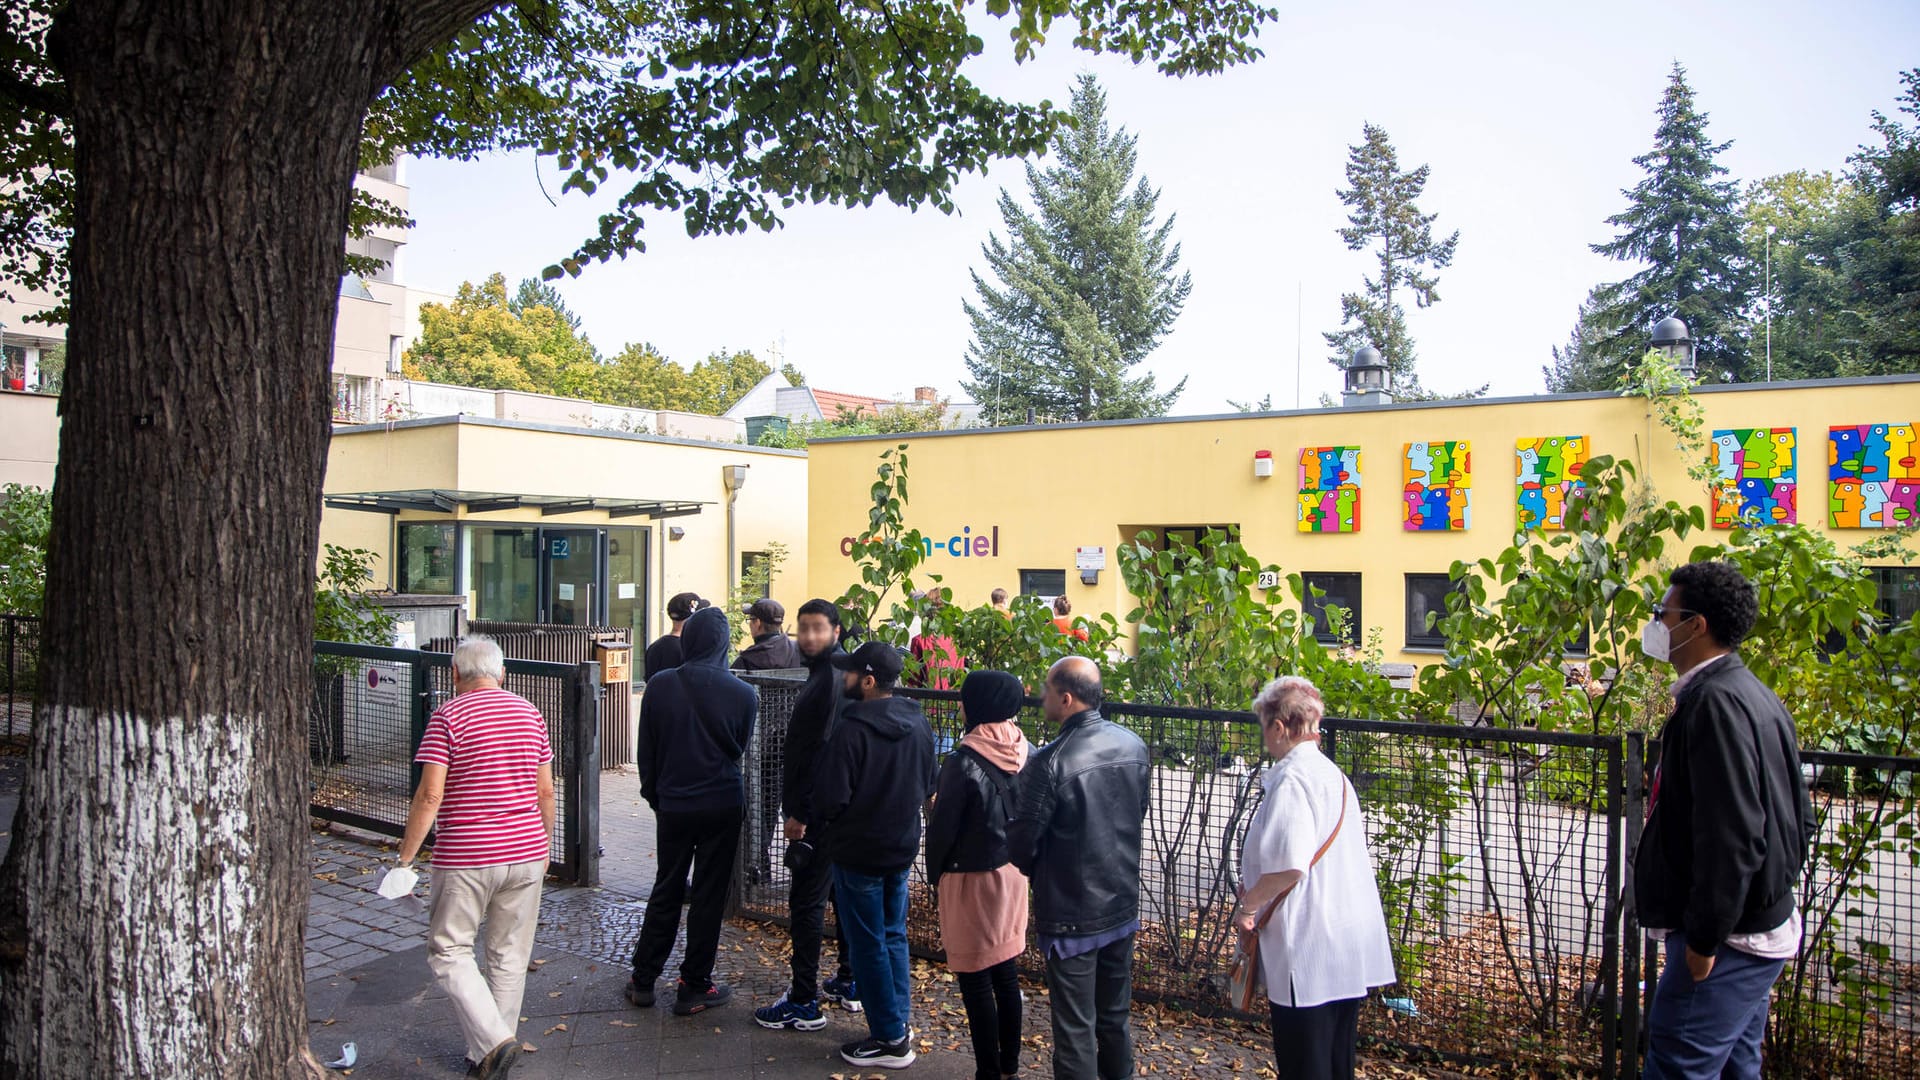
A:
541,523
1373,503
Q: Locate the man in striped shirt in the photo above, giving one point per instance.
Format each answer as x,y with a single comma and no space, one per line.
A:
486,777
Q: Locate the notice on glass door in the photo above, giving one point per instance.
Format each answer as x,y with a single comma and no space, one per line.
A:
566,591
627,590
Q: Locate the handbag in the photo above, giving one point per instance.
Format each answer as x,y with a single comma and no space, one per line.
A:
1245,984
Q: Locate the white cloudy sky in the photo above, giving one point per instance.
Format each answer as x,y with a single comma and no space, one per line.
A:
1529,114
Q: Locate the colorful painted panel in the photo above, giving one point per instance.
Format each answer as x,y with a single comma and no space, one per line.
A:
1756,479
1873,476
1547,478
1330,489
1438,485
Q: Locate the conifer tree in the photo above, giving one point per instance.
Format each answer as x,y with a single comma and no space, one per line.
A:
1385,215
1087,285
1682,224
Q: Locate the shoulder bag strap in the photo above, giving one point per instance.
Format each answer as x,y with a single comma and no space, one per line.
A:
1267,912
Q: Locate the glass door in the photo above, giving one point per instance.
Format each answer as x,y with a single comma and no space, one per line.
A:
572,558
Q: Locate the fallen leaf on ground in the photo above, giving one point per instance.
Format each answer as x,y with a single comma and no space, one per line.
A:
554,1028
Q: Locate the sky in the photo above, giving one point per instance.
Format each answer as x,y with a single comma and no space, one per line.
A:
1529,115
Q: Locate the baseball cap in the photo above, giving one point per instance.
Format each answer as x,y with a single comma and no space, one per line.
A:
875,658
684,604
767,611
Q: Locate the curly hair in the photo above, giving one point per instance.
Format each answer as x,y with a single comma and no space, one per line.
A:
1719,592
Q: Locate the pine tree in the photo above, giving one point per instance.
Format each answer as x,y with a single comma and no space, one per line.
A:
1882,258
536,293
1384,212
1088,285
1683,224
1574,369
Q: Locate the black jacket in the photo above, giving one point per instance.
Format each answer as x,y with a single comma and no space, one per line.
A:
815,709
875,772
1083,805
663,655
1731,822
968,832
695,722
769,652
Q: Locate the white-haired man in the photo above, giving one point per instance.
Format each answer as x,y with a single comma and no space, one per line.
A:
486,777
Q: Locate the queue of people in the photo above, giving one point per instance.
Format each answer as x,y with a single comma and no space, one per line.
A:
1049,839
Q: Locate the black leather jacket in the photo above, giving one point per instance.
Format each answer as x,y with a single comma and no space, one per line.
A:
1083,805
968,832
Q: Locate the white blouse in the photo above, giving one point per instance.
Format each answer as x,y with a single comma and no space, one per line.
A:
1327,941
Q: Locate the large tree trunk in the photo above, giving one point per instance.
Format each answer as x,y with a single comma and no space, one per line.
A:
155,894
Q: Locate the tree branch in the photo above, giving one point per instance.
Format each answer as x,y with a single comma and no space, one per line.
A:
49,98
421,25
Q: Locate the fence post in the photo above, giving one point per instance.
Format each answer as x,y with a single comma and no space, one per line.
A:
1631,995
1610,937
12,682
419,711
580,758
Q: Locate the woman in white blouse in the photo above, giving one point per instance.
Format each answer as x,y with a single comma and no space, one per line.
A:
1325,944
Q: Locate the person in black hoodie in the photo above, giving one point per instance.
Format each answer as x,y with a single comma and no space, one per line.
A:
875,773
815,708
695,722
1730,821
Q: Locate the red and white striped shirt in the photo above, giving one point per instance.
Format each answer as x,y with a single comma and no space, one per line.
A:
492,743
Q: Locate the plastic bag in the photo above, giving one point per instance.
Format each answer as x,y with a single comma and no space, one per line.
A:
399,882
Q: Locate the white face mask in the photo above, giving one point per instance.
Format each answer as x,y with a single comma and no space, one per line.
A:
1657,641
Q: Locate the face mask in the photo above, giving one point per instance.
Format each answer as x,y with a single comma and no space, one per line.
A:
1657,641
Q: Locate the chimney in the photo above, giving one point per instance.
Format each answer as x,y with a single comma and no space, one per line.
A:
925,395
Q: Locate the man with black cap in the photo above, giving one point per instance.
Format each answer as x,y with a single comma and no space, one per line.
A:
772,649
665,652
875,773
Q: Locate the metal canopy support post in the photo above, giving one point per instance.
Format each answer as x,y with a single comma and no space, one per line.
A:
580,758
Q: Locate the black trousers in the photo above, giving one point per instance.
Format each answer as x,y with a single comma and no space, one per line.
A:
992,998
807,900
1091,995
1316,1042
703,842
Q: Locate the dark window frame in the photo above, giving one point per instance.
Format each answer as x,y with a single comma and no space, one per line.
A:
1314,607
1887,585
1420,636
454,554
1027,591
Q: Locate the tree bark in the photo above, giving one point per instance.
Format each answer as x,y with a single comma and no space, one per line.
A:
153,901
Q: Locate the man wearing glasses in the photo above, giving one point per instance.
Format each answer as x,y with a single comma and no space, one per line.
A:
1729,823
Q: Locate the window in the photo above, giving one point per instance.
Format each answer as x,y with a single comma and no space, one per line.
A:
1427,595
1194,535
426,558
1340,591
1045,584
750,561
1897,591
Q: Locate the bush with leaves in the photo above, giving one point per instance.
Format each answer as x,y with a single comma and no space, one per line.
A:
753,584
342,610
26,520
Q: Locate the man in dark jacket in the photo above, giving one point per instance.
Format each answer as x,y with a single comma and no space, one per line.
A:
1083,804
815,709
1730,820
695,722
875,773
772,649
665,654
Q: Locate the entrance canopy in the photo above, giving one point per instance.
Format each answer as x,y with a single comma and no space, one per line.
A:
444,501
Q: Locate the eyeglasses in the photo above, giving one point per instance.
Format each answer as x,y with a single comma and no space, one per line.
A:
1660,611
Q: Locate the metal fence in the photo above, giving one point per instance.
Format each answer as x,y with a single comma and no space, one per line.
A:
371,705
563,644
1502,862
19,678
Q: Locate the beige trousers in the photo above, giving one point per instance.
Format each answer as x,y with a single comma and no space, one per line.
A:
507,900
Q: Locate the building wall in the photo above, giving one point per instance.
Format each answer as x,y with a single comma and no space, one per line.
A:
29,438
491,456
1050,490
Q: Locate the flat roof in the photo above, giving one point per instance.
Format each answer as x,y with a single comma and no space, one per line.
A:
447,501
1450,403
564,429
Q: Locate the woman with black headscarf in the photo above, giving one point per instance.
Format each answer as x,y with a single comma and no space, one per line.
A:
982,897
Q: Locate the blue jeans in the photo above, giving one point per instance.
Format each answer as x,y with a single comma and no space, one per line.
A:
1711,1029
874,912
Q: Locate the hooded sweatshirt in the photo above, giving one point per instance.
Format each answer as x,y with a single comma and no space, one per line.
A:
815,709
695,723
875,772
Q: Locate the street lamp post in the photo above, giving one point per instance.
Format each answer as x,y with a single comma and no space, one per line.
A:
1769,303
1670,336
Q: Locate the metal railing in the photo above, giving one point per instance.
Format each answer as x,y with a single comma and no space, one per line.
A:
558,643
1502,859
19,671
370,708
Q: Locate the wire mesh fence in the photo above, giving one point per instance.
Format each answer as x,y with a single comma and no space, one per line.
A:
19,677
371,705
1501,860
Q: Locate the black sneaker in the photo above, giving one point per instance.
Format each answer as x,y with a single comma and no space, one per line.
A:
842,992
881,1055
639,996
686,1002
